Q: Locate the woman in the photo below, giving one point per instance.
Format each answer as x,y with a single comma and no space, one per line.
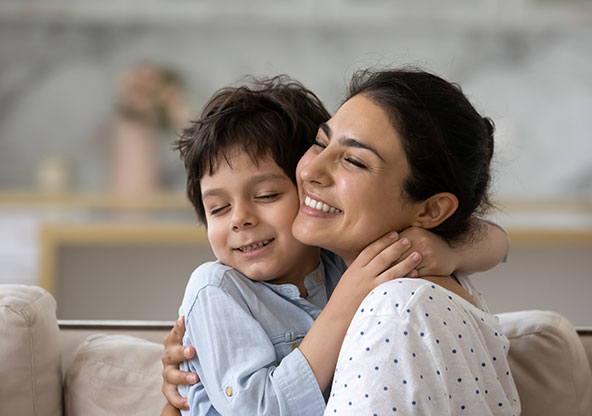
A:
406,149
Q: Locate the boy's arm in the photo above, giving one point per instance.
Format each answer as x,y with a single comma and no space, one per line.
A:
371,268
238,365
485,251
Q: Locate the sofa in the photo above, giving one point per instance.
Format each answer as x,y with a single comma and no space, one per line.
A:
50,367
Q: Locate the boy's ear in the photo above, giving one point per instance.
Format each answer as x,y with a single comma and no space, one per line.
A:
436,209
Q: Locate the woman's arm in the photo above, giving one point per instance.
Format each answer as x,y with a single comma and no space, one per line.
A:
490,246
170,410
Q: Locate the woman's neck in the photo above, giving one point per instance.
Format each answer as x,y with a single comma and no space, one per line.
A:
447,282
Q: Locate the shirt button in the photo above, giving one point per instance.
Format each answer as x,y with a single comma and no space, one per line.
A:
318,277
228,391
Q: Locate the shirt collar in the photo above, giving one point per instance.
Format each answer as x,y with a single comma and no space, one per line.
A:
312,282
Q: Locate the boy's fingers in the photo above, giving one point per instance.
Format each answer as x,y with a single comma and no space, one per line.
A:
174,398
376,247
401,269
390,256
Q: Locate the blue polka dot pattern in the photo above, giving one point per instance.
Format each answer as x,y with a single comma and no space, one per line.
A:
431,358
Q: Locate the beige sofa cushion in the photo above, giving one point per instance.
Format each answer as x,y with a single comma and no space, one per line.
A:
549,364
114,375
29,352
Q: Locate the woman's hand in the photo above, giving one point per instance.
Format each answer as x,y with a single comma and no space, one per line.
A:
175,353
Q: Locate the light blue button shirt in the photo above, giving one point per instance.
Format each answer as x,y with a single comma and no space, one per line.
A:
245,334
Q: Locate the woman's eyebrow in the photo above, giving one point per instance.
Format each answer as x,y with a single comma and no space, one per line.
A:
348,141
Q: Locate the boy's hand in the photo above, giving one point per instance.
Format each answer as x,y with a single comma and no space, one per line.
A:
439,259
375,265
175,353
385,259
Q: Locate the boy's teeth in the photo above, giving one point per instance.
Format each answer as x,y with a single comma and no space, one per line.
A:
255,246
320,206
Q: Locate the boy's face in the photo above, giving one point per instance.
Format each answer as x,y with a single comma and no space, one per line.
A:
249,212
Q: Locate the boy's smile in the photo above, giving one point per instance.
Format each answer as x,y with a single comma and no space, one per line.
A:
249,210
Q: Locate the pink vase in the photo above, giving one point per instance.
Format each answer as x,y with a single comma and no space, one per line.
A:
134,157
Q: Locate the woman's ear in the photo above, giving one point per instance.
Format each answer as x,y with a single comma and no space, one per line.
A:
436,209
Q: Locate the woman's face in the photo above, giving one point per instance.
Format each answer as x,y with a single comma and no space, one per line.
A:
350,181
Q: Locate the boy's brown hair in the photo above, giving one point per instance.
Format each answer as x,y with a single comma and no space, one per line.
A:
273,116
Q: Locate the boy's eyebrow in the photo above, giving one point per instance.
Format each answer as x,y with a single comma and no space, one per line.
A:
255,179
348,141
211,192
267,177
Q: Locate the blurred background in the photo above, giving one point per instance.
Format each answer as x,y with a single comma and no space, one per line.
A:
92,95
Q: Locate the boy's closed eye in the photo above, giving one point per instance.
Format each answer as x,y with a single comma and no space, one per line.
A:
217,210
268,196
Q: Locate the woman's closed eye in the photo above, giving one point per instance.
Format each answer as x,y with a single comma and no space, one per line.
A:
319,143
355,162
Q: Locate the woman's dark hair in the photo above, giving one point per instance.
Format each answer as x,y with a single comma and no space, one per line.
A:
275,117
448,145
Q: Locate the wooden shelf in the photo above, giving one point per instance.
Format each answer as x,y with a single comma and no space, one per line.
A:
53,236
160,201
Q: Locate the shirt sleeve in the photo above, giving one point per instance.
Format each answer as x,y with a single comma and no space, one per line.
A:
385,367
237,364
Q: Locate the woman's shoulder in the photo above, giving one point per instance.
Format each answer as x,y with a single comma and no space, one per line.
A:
409,298
393,297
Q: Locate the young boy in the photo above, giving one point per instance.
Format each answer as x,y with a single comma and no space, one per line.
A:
247,313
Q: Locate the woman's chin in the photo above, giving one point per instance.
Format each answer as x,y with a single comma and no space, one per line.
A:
305,233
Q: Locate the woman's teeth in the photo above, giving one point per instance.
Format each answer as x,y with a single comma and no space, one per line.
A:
320,206
255,246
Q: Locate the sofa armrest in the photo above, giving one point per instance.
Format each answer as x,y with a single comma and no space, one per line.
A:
74,332
585,335
549,363
29,352
114,374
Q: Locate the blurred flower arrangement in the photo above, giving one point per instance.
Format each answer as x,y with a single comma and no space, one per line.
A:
153,96
151,102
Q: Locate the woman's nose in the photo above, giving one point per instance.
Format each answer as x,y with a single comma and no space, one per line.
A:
315,169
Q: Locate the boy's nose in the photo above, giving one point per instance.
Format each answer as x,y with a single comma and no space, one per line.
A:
241,225
242,218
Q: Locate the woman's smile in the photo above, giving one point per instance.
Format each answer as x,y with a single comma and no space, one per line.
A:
317,205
